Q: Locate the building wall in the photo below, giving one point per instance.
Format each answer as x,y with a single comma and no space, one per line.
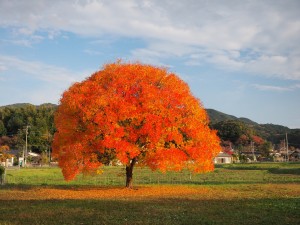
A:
221,160
9,162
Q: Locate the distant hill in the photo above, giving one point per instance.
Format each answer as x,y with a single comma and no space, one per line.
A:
50,105
272,132
216,116
22,105
17,105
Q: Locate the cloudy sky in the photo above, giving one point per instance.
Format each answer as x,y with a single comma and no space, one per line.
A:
239,57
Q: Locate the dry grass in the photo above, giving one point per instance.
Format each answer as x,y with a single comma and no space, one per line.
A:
235,194
179,204
223,192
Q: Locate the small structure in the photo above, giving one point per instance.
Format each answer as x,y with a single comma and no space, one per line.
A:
294,156
33,159
222,158
9,157
8,162
277,157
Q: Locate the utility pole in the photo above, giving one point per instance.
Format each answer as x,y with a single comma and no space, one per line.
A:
23,156
287,148
252,148
48,137
26,145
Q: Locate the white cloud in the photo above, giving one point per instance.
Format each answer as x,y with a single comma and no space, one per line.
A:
271,88
92,52
286,67
276,88
149,56
158,50
2,67
217,32
24,31
47,82
19,42
39,70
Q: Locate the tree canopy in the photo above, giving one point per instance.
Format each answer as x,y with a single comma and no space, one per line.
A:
233,131
4,149
39,119
134,113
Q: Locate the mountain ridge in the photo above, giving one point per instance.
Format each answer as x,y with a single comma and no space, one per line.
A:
214,115
217,116
20,105
270,132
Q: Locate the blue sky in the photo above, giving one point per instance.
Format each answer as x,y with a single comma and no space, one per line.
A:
239,57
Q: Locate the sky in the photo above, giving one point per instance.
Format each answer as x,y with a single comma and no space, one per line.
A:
238,57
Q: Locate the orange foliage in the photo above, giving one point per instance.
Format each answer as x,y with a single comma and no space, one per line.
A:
133,111
4,149
257,140
199,192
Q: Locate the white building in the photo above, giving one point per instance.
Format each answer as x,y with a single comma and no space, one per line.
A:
223,157
8,162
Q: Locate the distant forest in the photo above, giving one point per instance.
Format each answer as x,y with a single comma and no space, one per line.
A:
270,132
38,122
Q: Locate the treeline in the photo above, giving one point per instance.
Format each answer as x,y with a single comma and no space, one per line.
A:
21,121
269,132
243,139
38,121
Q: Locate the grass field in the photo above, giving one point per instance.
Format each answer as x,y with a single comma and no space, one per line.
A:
232,194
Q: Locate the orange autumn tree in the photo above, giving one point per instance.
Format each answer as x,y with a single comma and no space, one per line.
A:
134,113
4,155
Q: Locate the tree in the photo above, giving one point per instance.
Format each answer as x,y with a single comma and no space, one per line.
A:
4,155
2,174
2,128
265,148
134,113
14,119
257,140
233,131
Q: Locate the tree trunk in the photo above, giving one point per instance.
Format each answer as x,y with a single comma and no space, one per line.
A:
2,176
129,169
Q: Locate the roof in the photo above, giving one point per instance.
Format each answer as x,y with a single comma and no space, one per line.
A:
33,154
294,152
223,154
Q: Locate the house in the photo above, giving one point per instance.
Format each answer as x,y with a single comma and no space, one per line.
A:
9,161
223,157
277,157
294,156
285,154
33,159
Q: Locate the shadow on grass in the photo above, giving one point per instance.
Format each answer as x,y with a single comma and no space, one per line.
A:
228,181
272,169
204,182
295,171
158,211
60,187
245,168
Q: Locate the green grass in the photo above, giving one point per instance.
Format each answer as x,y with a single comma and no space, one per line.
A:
265,193
115,176
166,211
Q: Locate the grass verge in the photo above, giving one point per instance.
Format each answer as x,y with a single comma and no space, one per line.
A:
218,200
